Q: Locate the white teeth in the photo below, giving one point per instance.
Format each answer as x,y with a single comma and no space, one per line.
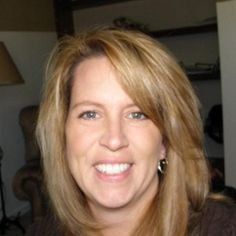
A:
112,169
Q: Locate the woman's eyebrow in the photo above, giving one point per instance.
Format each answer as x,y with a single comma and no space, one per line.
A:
86,103
97,104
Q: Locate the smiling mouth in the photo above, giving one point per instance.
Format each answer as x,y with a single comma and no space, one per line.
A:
112,169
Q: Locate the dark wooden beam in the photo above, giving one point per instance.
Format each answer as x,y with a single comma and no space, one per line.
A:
63,18
81,4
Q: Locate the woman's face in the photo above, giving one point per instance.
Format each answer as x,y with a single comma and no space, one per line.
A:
113,149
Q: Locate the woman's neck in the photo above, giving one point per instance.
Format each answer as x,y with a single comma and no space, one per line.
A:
121,221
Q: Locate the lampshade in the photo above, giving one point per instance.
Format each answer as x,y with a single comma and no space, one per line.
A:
9,74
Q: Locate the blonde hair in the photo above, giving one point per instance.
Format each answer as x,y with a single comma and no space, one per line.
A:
157,84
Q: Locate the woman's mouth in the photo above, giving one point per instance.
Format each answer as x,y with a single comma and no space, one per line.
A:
112,169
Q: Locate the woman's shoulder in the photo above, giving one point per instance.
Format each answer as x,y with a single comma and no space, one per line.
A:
45,226
219,219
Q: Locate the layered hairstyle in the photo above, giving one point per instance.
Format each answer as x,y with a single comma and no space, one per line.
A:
151,76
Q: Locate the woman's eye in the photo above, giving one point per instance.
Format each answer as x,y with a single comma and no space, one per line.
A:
88,115
137,116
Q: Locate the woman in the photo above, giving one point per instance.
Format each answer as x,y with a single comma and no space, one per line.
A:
121,136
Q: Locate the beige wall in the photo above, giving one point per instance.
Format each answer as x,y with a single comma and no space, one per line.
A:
226,12
26,15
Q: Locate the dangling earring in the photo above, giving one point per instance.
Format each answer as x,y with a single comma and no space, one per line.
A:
162,166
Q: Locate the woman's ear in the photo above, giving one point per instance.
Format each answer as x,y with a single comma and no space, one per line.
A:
163,152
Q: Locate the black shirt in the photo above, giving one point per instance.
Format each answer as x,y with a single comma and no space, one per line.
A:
217,219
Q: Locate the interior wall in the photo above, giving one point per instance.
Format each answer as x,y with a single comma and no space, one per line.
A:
189,50
227,37
29,51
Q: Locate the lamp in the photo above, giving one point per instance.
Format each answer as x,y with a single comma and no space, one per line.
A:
9,73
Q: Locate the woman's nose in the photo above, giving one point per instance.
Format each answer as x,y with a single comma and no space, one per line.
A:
114,137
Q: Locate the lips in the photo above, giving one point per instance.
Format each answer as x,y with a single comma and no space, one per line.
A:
112,169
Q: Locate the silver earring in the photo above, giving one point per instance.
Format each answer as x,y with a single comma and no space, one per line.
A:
162,166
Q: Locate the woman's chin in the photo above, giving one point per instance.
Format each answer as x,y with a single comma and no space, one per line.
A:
110,201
